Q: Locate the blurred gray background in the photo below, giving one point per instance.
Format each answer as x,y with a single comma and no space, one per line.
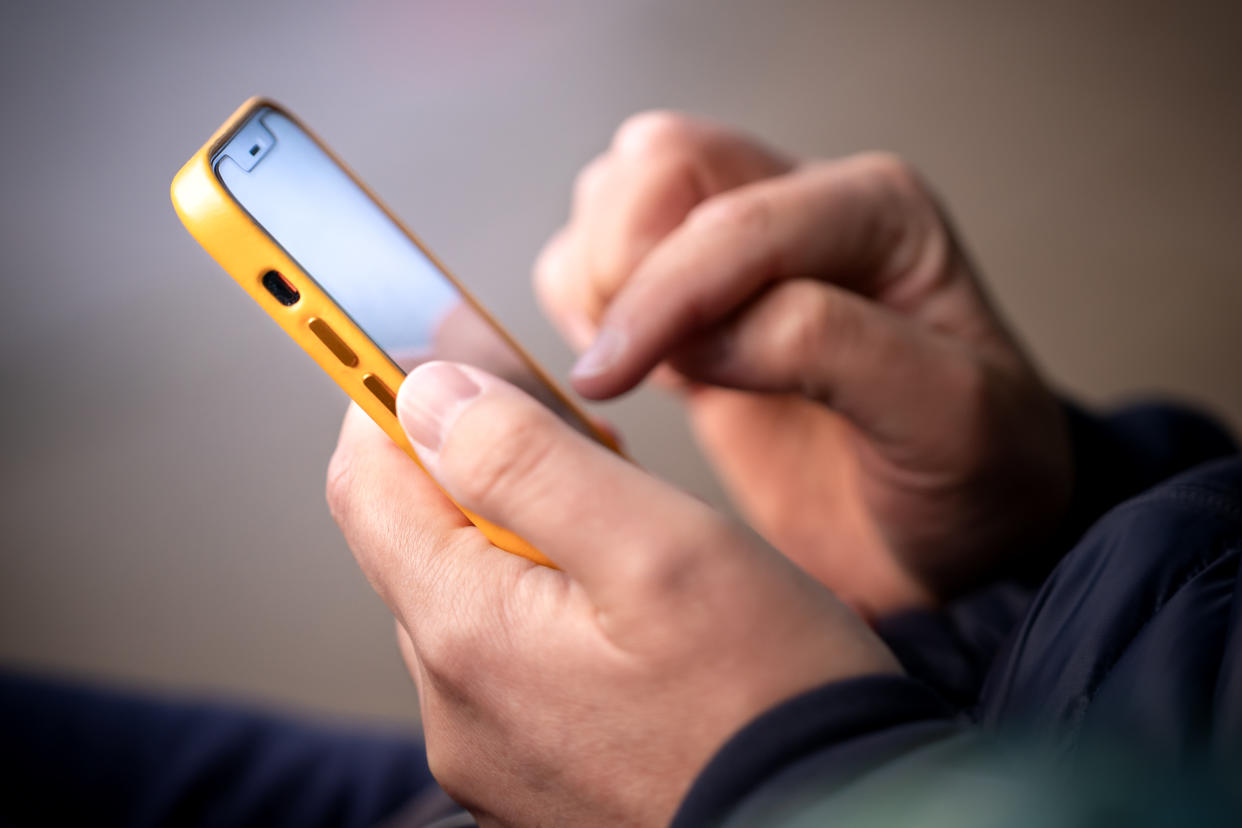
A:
164,444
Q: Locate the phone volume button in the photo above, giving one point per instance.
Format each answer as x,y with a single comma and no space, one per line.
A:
381,391
335,344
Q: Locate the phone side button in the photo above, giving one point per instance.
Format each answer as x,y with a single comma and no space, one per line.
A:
335,344
381,391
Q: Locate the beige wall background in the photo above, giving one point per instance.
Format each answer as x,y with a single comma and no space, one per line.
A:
161,492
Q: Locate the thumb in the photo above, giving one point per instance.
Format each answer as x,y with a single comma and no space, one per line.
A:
497,452
876,368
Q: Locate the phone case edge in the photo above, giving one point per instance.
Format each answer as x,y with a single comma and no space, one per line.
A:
246,252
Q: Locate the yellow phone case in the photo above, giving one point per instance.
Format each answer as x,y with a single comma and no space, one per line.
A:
315,322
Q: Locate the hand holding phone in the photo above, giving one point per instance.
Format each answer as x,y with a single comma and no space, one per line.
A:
343,277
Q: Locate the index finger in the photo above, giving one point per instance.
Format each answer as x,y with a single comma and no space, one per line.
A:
836,222
659,167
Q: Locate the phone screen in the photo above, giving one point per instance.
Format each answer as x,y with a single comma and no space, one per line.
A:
360,257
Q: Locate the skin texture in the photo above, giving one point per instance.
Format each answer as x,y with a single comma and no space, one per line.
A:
865,406
594,694
867,409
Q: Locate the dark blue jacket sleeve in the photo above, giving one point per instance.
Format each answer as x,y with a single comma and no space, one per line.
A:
1117,455
817,741
1122,453
78,754
824,740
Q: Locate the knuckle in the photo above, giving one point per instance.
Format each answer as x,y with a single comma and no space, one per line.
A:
810,314
662,575
922,243
460,644
589,181
448,762
674,567
833,316
814,328
891,170
339,486
548,272
440,760
749,213
447,656
655,132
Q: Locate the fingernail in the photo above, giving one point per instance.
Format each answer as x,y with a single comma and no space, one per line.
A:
601,356
430,400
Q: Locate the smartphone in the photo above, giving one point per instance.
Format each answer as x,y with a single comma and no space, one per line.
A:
342,275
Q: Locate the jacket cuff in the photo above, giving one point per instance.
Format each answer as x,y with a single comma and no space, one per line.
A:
825,737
